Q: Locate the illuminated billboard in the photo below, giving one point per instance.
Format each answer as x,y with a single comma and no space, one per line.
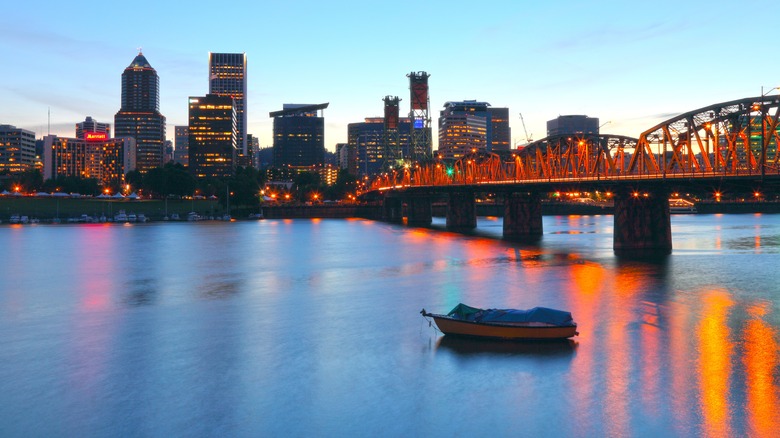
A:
95,136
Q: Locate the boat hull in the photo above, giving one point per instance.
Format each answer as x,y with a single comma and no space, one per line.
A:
452,326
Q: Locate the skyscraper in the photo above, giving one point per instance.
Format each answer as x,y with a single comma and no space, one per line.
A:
500,135
227,77
463,126
181,152
212,136
139,117
299,136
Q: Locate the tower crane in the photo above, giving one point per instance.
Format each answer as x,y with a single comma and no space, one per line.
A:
527,138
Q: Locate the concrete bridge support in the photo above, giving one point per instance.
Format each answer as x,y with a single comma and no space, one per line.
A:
642,222
392,210
419,212
461,211
522,216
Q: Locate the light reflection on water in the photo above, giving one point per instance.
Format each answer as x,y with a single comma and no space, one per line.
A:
297,327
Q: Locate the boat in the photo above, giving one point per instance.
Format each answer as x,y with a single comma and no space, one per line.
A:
120,217
538,323
681,206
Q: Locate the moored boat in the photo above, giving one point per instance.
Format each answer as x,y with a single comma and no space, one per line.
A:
538,323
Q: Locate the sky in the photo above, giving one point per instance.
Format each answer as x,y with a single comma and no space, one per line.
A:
631,64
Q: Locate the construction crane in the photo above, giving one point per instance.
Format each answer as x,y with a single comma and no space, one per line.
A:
527,138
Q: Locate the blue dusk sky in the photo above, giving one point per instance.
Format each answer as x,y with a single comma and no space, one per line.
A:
632,64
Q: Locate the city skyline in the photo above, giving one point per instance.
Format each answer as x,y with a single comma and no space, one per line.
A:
632,65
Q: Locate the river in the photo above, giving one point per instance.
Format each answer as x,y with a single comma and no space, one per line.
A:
312,328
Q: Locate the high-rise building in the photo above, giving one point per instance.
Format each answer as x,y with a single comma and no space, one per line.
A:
90,126
181,152
570,125
139,117
299,135
227,77
253,146
500,135
367,140
212,136
105,159
463,127
17,149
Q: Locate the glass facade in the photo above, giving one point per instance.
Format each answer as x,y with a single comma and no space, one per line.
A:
299,136
139,117
367,139
107,161
227,77
212,136
463,127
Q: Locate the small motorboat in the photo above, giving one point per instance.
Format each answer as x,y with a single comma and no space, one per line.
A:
539,323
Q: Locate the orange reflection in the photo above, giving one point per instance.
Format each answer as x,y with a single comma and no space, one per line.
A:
715,350
761,359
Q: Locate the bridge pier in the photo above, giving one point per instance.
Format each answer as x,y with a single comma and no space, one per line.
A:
392,210
522,216
419,212
642,222
461,211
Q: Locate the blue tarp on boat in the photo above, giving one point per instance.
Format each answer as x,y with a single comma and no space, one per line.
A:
537,314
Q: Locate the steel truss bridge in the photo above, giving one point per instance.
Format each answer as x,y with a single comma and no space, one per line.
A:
730,144
735,139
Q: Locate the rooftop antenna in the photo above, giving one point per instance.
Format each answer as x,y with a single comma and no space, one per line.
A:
48,126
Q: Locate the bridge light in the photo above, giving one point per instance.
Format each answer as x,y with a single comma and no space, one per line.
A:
757,194
635,194
646,195
450,171
582,143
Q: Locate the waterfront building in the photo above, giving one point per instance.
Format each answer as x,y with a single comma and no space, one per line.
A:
213,136
106,159
367,142
181,146
573,125
139,117
299,135
90,127
499,134
227,77
17,149
463,127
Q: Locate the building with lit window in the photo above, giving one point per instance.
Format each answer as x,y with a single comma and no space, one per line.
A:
106,159
367,139
227,77
139,117
499,134
299,136
213,136
17,149
181,150
90,125
463,127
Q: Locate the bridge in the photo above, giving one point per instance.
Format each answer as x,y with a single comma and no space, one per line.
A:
725,146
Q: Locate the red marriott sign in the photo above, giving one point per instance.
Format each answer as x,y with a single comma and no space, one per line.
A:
95,136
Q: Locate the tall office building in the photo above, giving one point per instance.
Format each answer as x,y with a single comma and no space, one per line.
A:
212,136
181,145
367,141
92,127
463,127
139,117
17,149
299,136
500,137
227,77
569,125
